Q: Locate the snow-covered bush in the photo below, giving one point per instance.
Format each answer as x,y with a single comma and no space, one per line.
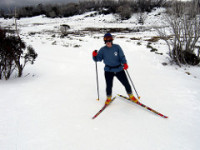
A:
64,28
14,55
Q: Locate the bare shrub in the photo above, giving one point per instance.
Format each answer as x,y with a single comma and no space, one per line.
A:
141,17
184,24
14,55
124,11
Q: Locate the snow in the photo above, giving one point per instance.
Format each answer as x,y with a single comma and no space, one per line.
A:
52,105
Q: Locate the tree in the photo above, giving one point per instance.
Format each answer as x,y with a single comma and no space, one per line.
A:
14,55
184,25
1,13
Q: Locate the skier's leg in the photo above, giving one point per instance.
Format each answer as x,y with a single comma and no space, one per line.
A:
121,76
124,80
109,82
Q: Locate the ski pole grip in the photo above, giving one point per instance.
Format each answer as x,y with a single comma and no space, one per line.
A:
96,52
95,56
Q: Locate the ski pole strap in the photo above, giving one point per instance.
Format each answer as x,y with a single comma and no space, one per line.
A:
95,58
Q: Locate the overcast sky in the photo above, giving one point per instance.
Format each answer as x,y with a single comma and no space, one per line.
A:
7,3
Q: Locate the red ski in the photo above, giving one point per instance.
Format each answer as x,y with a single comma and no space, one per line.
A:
103,108
145,107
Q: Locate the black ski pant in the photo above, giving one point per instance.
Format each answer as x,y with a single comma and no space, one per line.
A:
121,76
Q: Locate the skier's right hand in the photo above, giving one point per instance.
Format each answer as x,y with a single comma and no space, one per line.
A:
94,53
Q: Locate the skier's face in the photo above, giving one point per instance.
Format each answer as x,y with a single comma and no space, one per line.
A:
108,43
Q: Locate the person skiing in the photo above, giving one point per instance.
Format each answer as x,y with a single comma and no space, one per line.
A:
115,64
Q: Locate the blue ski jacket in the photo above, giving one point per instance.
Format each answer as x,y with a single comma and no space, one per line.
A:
113,58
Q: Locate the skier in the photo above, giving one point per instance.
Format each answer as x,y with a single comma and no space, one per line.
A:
115,64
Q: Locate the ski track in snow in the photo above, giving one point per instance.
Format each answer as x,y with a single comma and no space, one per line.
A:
51,106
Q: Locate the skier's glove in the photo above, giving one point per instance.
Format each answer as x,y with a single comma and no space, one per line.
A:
125,66
94,53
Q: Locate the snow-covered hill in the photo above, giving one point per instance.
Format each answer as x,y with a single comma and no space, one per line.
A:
51,106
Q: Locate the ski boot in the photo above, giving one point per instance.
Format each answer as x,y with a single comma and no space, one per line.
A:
108,100
132,98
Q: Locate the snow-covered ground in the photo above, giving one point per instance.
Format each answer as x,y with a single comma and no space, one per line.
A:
52,105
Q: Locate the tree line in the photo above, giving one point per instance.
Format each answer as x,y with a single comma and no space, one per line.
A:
124,8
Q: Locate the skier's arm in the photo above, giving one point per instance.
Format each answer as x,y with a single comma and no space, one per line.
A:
122,56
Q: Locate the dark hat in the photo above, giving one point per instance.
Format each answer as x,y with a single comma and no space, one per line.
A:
108,36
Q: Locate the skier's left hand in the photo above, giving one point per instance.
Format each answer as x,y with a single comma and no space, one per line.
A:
125,66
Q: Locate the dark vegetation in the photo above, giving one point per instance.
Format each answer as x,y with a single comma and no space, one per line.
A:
14,54
122,7
184,25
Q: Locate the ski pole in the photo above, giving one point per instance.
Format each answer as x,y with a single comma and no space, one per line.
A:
97,79
132,84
